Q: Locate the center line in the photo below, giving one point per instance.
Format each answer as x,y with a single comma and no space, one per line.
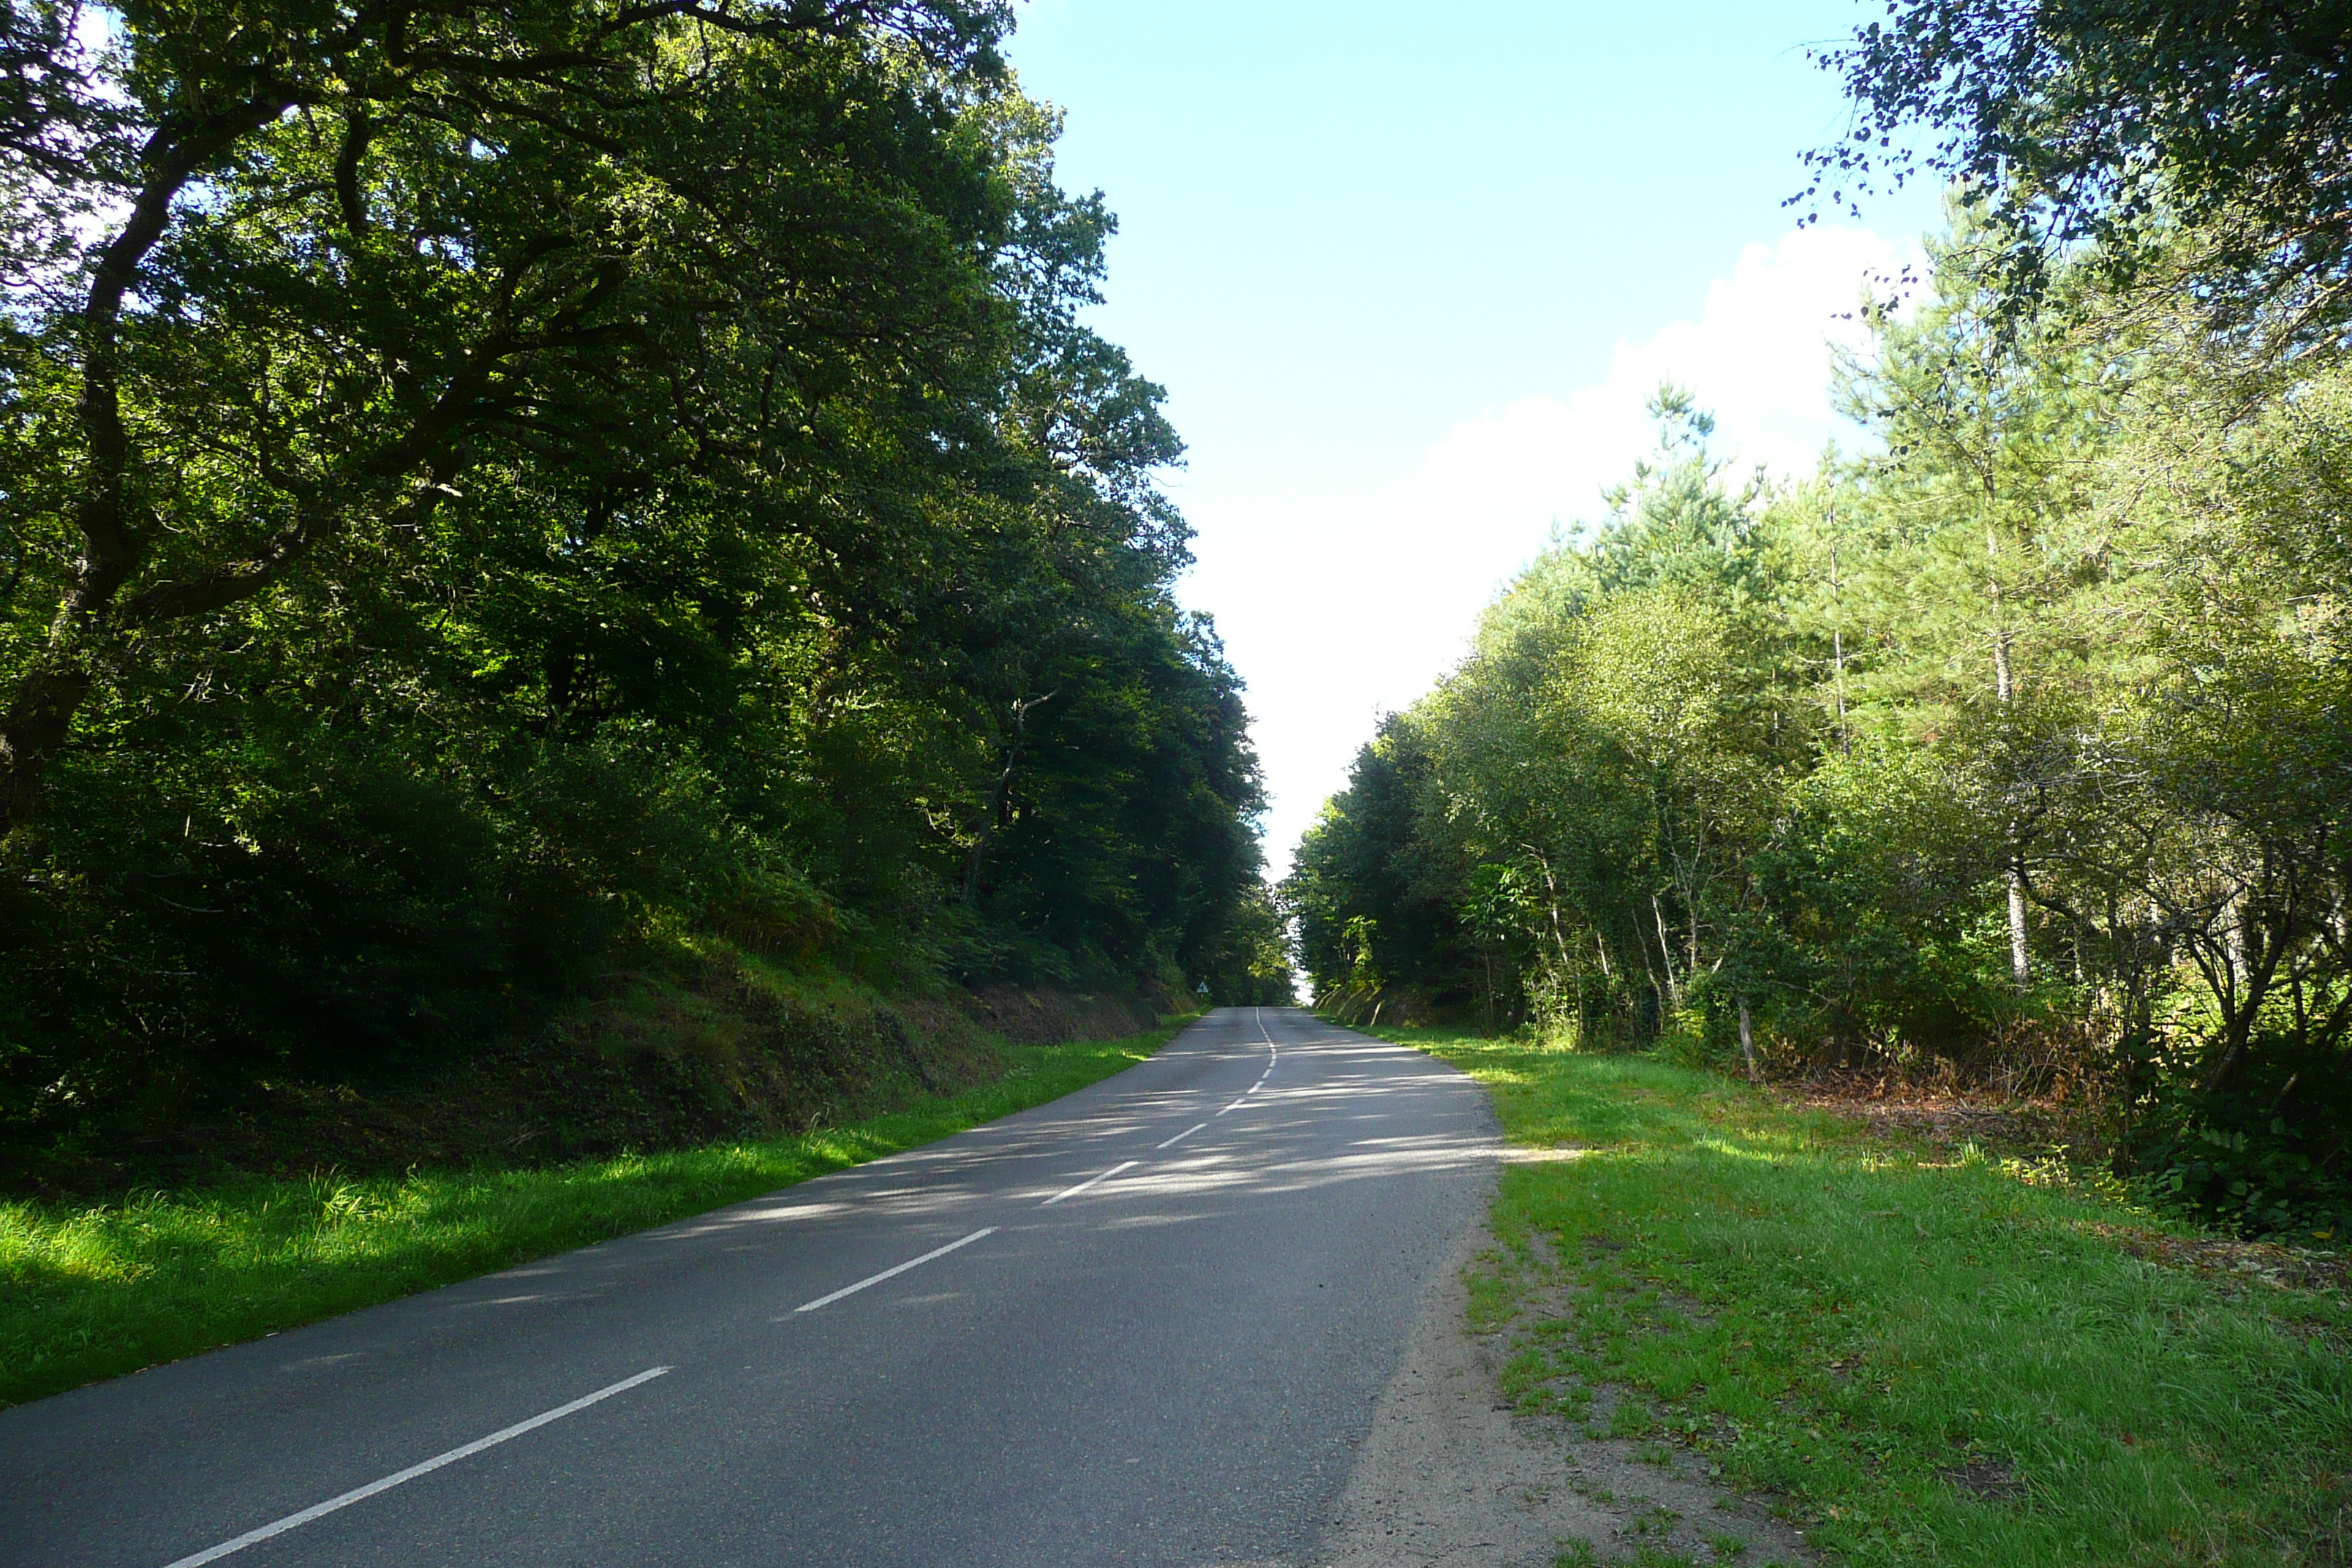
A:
1186,1133
886,1273
1272,1054
361,1494
1089,1182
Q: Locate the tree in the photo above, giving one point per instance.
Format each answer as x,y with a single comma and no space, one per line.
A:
2108,124
497,503
1368,918
1988,431
1571,804
343,268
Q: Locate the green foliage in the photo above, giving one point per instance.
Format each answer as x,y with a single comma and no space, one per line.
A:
1366,916
498,500
2110,124
2010,750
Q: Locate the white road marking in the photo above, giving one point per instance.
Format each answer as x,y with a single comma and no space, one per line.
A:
888,1273
361,1494
1271,1055
1089,1182
400,1478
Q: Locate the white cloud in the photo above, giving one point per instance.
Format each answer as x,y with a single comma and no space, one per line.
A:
1757,357
1338,608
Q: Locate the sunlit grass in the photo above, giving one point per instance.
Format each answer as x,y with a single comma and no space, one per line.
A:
92,1292
1932,1360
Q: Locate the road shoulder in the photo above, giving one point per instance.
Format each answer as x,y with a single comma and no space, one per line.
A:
1451,1474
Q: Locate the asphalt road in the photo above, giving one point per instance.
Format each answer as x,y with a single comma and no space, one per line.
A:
1147,1326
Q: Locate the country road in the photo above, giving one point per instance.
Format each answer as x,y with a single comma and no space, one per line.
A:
1144,1325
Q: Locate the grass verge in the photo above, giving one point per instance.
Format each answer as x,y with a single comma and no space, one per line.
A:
93,1292
1932,1358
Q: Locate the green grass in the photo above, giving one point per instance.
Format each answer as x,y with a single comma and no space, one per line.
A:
1932,1359
93,1293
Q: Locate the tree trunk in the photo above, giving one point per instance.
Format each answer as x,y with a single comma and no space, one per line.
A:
2233,941
2020,959
1837,643
1692,970
1747,1041
112,532
990,814
1673,991
999,794
2004,689
37,725
2252,970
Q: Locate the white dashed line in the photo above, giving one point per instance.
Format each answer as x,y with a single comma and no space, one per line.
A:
1271,1056
1089,1182
887,1273
361,1494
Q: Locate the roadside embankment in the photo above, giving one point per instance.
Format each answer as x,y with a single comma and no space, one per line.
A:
705,1047
1927,1355
92,1290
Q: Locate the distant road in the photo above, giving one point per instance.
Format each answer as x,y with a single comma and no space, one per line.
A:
1144,1325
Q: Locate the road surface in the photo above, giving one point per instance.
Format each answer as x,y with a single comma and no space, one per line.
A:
1144,1325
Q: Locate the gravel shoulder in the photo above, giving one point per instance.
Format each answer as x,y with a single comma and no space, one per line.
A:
1452,1476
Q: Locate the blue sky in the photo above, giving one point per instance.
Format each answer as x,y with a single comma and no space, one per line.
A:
1408,273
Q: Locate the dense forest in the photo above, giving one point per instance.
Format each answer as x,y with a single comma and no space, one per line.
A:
2014,745
504,503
